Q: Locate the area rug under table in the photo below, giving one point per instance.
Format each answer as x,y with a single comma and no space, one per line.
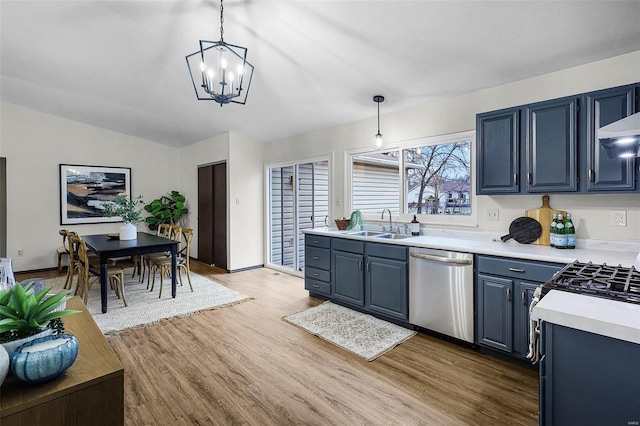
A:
361,334
144,306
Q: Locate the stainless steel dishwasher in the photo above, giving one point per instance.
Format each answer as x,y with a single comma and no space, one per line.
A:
441,292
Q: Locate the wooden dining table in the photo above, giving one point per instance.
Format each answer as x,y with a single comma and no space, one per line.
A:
107,248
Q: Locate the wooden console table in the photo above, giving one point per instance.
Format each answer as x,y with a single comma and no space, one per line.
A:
90,392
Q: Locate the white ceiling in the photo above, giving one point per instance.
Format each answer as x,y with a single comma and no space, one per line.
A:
120,65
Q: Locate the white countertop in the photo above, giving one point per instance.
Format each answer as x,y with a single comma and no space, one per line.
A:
620,320
609,252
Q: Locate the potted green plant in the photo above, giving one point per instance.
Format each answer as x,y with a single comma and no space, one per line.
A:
130,210
25,315
166,209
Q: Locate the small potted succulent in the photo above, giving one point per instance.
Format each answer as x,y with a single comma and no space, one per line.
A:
25,315
130,210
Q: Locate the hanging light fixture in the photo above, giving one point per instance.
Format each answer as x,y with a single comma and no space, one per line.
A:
220,71
378,142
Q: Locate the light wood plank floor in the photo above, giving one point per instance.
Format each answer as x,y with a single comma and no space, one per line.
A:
244,365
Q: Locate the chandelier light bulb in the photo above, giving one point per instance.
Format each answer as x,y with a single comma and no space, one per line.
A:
202,66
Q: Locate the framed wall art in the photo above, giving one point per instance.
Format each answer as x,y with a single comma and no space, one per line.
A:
83,190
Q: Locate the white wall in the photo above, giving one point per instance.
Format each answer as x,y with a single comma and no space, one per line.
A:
246,205
444,116
206,152
244,183
34,145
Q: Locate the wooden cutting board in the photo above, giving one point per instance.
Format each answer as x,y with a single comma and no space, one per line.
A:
544,215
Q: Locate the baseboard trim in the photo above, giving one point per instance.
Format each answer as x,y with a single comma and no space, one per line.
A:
248,268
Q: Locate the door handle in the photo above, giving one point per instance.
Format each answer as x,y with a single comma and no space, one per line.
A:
522,298
508,295
360,265
590,175
316,258
516,270
529,178
315,274
515,178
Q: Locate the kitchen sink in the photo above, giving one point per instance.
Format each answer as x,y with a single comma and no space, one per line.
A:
366,233
394,236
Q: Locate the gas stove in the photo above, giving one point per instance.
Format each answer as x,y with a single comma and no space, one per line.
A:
610,282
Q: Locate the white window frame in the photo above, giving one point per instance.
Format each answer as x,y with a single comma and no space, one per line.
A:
470,220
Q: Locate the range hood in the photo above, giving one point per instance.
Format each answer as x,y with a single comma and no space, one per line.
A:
621,138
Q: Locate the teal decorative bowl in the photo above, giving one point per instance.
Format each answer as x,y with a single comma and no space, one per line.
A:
44,359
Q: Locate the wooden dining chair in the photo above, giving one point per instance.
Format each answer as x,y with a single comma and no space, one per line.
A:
162,266
164,230
89,272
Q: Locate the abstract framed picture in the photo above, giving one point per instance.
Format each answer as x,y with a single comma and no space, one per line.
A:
84,190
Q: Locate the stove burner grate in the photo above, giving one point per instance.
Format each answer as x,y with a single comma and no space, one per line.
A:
611,282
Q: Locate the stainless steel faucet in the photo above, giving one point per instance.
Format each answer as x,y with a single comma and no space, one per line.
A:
390,225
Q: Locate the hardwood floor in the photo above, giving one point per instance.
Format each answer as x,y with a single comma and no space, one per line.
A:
244,365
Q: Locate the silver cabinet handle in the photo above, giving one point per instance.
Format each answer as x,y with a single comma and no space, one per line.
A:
441,259
316,242
316,258
316,286
590,175
360,265
515,178
368,266
315,274
508,295
522,298
529,178
516,270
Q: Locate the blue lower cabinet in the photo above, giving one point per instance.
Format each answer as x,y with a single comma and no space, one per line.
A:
587,379
386,287
372,277
347,277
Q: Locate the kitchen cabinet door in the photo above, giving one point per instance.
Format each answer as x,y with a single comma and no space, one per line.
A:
523,298
498,153
601,173
347,277
495,312
386,287
551,146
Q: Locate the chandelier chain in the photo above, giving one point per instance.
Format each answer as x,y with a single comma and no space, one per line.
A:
221,21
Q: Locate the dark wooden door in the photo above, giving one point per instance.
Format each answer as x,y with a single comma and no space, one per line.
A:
212,215
205,214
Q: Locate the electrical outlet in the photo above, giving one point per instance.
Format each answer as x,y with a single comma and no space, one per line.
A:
20,252
493,214
619,218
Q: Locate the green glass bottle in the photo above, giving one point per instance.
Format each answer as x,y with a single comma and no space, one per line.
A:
561,237
570,232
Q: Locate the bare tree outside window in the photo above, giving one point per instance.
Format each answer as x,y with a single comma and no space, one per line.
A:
438,179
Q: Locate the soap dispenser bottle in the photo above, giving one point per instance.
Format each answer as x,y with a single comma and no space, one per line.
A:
415,226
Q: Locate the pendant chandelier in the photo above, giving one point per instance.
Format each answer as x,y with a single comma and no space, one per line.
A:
220,71
378,142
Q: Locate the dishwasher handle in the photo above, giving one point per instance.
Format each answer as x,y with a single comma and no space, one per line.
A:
441,259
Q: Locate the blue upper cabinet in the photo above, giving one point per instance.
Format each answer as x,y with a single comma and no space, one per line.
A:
602,173
498,153
551,146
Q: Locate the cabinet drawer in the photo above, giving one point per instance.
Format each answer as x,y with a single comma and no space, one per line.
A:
343,244
516,268
388,251
317,257
317,274
317,286
317,241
